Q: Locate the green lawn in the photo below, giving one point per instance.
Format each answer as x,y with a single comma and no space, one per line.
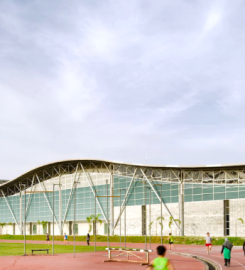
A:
11,249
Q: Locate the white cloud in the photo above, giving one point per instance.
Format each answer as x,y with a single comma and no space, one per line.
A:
116,79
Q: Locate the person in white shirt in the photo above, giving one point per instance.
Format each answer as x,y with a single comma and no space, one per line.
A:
208,243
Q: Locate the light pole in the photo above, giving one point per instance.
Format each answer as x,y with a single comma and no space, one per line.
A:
53,217
74,225
149,216
161,209
120,217
124,189
24,221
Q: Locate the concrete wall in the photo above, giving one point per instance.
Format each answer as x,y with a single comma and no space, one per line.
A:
237,210
203,217
200,217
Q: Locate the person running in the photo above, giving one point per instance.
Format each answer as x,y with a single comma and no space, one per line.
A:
47,238
208,242
170,241
226,250
65,238
88,238
243,247
161,262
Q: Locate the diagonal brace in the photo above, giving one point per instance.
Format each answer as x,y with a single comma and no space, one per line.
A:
125,199
159,198
93,191
10,209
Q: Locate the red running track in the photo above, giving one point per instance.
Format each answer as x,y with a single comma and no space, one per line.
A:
95,260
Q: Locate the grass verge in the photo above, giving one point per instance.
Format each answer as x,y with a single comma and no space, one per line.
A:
11,249
185,240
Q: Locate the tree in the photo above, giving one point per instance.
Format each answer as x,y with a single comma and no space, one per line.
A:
39,223
44,223
160,223
171,222
3,224
93,219
150,225
89,223
239,219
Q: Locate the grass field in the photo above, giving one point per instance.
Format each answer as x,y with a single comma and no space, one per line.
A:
10,249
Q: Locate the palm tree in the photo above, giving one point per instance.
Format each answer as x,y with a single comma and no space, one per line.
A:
39,223
171,222
3,224
93,218
160,223
150,225
89,223
44,223
240,219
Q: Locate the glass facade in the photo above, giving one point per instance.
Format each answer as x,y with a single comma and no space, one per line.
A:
198,186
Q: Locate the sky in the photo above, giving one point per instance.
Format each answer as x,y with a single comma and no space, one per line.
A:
121,80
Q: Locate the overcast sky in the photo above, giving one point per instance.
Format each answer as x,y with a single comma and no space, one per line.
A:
118,79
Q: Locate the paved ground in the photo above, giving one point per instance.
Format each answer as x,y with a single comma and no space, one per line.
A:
95,260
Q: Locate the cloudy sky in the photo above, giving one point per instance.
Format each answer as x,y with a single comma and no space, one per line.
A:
118,79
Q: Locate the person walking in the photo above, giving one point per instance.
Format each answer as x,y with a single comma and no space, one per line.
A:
161,262
65,238
208,242
243,247
226,251
88,238
170,241
47,238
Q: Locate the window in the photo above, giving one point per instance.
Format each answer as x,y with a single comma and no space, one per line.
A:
226,217
34,229
45,229
76,228
106,228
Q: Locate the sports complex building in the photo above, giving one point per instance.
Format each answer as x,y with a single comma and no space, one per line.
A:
202,198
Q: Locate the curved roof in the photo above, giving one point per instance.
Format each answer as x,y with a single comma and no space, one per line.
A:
54,169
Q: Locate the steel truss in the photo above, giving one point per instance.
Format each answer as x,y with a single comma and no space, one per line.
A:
232,175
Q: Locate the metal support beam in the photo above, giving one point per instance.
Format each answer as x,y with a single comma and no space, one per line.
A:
31,194
69,200
46,198
11,211
159,198
60,205
88,177
125,199
21,223
111,205
181,206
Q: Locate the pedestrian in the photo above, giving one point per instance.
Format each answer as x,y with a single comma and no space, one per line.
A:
226,250
65,238
88,238
243,247
47,238
170,241
161,262
208,242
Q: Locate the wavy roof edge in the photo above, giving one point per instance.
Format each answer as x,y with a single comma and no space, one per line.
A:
211,166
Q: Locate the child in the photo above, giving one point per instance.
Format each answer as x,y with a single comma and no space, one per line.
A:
65,238
208,242
170,241
161,263
47,238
